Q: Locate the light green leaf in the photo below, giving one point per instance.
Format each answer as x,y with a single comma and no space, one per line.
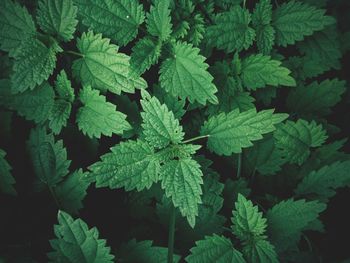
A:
6,179
229,133
231,30
185,75
75,242
63,87
57,18
98,116
259,71
116,19
131,164
102,67
182,181
159,20
159,124
215,249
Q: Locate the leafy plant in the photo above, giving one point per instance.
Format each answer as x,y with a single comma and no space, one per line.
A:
175,90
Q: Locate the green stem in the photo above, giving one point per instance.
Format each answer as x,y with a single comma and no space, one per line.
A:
74,53
244,3
239,165
196,138
171,235
53,194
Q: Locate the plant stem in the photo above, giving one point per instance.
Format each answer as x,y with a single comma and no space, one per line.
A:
74,53
196,138
171,235
239,165
244,3
52,191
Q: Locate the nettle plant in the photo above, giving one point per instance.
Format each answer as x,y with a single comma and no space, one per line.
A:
176,83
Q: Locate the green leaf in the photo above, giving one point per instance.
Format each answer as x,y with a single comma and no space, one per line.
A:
159,124
287,219
63,87
59,115
75,242
260,251
296,138
229,133
321,184
71,192
182,181
116,19
6,179
16,25
144,252
34,64
316,98
231,30
144,54
247,222
131,164
49,157
259,71
57,18
102,67
294,20
159,20
214,249
185,75
98,116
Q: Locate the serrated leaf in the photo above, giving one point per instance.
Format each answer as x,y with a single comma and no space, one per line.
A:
16,25
49,157
71,192
57,18
247,222
260,251
144,54
116,19
102,67
321,184
59,115
182,181
296,138
231,30
6,179
131,164
214,249
259,71
287,219
75,242
229,133
159,20
316,98
98,116
185,75
34,64
294,20
159,124
144,252
63,87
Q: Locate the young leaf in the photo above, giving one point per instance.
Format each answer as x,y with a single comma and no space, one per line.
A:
229,133
182,181
131,164
316,98
71,192
116,19
57,18
6,179
159,124
294,20
63,87
287,219
59,115
159,20
34,64
75,242
296,138
185,75
214,249
231,30
16,25
260,251
321,184
259,71
247,222
98,116
102,67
